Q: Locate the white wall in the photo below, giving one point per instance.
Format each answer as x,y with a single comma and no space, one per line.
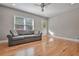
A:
65,24
7,19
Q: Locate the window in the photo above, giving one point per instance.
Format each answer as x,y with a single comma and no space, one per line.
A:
21,23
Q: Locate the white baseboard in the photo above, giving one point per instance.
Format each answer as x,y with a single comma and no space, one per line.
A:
76,40
3,41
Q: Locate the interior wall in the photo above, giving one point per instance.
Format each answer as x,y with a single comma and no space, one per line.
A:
7,20
65,24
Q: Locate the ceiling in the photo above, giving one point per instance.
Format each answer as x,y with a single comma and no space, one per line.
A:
51,9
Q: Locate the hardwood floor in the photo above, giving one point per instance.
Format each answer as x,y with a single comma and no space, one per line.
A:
54,47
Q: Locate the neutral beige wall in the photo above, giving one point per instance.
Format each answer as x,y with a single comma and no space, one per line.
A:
7,19
65,24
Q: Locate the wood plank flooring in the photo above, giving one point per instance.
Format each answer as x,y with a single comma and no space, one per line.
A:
56,47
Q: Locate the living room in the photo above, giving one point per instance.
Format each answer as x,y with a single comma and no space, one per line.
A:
39,29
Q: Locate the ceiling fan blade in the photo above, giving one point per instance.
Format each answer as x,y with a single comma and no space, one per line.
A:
39,4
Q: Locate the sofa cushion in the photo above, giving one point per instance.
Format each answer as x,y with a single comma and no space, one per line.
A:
25,36
13,32
25,32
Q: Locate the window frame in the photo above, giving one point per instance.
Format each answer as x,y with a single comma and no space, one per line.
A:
24,18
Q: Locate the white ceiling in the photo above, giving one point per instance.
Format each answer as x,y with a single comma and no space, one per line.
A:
50,10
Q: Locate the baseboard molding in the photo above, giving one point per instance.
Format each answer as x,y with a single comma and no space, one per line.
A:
3,41
76,40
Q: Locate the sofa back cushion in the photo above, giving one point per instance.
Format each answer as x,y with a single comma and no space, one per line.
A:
13,33
24,32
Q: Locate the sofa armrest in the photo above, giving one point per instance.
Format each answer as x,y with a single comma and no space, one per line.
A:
9,39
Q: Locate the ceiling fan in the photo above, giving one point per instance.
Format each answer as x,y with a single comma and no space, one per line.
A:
42,5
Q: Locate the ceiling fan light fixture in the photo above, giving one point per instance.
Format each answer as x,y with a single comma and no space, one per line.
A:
42,5
42,9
